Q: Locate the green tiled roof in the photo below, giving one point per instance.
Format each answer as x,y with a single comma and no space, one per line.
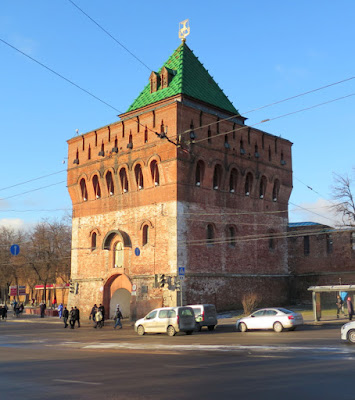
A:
191,78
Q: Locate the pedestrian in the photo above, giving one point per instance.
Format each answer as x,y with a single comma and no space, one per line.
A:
33,302
54,303
339,304
21,308
77,316
42,308
117,318
350,308
14,305
65,317
98,318
92,313
4,312
60,310
17,310
72,318
102,309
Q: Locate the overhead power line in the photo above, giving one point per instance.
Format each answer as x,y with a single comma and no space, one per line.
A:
271,104
60,76
109,34
32,180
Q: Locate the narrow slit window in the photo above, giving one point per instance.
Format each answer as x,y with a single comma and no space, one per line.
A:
96,186
155,173
210,235
145,235
109,183
83,190
93,240
233,181
123,180
139,176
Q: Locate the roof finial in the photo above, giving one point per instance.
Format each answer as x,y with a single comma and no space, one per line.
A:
184,30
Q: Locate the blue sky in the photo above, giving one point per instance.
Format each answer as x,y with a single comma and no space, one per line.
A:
258,52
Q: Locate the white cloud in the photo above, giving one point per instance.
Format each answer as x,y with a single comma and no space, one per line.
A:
320,211
15,223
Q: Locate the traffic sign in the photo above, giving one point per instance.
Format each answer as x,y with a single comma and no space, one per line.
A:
15,249
137,252
182,273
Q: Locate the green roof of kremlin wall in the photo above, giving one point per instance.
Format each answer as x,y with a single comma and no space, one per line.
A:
191,78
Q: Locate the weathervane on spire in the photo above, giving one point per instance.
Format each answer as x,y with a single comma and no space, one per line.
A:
184,29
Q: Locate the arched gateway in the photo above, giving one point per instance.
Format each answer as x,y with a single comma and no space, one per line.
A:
117,290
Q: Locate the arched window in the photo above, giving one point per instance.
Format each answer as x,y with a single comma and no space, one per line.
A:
139,176
93,240
209,134
248,183
96,186
200,170
271,235
83,189
130,142
262,188
109,183
118,255
155,173
210,235
145,238
217,177
233,180
192,132
231,236
329,243
242,150
123,180
275,190
226,143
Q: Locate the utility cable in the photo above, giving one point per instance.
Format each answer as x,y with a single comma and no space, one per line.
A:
270,104
109,34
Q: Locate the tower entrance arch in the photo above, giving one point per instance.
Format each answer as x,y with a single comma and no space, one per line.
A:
117,290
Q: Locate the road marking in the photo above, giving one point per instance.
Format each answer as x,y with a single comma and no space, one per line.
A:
82,382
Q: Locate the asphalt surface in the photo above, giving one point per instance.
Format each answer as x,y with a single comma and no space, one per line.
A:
39,359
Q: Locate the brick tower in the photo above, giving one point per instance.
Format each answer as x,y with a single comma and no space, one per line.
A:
178,181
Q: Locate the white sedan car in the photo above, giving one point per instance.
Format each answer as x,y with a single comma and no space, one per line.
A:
270,318
348,332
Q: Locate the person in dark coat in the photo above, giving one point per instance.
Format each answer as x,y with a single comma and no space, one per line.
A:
93,312
42,309
72,318
65,317
117,318
102,309
77,316
350,308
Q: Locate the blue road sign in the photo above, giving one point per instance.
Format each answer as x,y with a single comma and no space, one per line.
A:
15,249
181,271
137,252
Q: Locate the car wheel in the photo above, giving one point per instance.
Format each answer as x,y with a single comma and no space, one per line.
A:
278,327
188,332
351,336
171,331
242,327
140,330
198,327
292,329
210,327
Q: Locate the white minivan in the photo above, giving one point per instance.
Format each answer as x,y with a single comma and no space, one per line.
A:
167,319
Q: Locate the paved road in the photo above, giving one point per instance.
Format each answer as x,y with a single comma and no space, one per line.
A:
41,360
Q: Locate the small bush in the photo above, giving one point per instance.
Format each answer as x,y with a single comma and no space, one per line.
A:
250,301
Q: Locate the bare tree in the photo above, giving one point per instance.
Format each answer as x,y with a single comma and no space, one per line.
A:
10,266
48,253
343,193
